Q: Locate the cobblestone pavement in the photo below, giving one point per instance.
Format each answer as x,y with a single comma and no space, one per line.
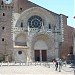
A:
38,69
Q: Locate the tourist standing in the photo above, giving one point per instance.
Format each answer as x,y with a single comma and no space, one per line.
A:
60,65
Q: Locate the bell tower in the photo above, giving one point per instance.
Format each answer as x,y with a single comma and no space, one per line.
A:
6,9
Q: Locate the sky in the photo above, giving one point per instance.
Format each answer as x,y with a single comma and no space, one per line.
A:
65,7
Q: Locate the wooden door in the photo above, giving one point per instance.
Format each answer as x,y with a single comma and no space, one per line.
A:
44,55
37,55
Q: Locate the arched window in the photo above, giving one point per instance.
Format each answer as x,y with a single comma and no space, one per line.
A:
20,9
21,24
3,14
49,26
3,28
2,39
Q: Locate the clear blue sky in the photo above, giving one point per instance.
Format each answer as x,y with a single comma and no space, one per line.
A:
65,7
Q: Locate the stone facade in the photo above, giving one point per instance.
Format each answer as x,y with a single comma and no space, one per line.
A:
37,39
30,32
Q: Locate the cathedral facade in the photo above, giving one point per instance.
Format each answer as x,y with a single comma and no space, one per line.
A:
29,32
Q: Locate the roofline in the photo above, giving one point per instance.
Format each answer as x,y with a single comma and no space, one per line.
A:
64,15
70,26
47,9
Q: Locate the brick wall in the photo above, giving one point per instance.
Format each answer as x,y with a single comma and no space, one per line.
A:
67,45
22,5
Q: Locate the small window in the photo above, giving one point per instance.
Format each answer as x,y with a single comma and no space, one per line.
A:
21,24
2,39
3,14
2,3
21,9
8,7
49,26
3,28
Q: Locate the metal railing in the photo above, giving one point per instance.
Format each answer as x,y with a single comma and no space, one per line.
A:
30,29
47,64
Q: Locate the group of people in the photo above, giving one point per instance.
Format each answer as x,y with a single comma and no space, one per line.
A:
58,64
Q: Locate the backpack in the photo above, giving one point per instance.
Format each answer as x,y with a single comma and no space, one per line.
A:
60,62
56,65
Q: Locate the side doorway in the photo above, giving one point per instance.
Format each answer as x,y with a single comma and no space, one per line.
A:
37,55
44,55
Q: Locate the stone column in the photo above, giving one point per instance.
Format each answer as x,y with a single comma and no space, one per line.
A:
40,56
27,55
6,58
56,50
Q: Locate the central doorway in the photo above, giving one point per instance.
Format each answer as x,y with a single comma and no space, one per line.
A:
40,55
40,51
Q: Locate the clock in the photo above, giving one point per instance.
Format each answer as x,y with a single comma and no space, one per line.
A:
7,1
35,21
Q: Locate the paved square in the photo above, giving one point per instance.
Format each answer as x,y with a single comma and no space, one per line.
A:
38,69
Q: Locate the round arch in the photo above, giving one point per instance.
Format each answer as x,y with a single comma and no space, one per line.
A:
44,37
41,46
21,39
35,11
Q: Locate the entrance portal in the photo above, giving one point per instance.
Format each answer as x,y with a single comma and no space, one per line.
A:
43,55
40,50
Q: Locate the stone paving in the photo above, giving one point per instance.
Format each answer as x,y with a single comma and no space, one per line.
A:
35,69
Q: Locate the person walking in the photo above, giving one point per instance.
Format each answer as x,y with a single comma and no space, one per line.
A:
60,65
56,65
